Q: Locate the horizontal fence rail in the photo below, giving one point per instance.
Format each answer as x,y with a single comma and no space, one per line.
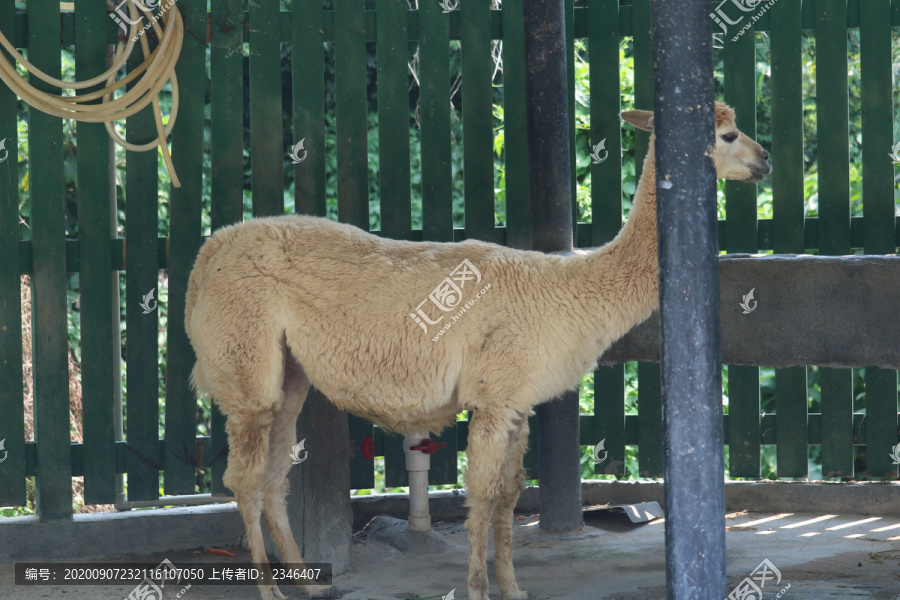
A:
412,125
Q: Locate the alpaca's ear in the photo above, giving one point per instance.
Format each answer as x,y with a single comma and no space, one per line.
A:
642,119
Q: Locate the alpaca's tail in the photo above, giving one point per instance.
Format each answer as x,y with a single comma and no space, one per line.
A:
199,276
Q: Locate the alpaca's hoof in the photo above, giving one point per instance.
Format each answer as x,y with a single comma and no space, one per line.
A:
328,593
515,595
481,594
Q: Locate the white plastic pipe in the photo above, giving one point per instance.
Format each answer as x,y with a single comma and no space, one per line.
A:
417,463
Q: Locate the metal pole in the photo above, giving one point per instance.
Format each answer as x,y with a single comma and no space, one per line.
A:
548,124
551,217
689,297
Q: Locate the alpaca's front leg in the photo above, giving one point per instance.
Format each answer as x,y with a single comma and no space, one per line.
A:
502,518
488,440
477,524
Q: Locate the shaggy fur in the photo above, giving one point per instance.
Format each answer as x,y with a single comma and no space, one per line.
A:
277,304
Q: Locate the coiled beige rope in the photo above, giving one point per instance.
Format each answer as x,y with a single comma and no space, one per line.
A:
158,68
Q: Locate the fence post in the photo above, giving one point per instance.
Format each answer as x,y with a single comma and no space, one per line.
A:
689,294
319,509
559,466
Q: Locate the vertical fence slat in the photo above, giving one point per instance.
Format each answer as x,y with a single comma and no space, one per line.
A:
881,422
834,215
95,279
352,157
308,85
530,461
569,30
49,323
788,204
877,126
650,439
362,472
606,176
434,115
477,99
309,115
741,226
743,421
515,129
740,94
184,213
837,422
878,214
643,78
443,469
218,452
394,170
833,137
12,428
266,130
609,417
606,211
226,100
650,447
141,276
350,112
792,431
395,473
393,119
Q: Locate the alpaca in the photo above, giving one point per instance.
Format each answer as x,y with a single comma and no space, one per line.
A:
277,304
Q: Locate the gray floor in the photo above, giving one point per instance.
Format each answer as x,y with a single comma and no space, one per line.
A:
819,556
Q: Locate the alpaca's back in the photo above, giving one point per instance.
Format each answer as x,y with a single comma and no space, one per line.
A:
339,300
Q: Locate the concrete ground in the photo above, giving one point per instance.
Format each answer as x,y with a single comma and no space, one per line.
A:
819,556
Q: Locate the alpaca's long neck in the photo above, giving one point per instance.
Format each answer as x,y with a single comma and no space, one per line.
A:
637,240
625,272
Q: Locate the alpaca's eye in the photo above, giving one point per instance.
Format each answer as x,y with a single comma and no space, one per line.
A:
730,137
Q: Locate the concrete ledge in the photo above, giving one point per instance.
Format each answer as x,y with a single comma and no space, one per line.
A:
870,498
810,310
105,535
101,535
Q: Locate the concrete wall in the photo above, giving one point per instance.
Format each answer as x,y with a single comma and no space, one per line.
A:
810,310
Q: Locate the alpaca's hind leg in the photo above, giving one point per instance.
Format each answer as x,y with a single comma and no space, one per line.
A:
488,440
248,434
502,518
282,437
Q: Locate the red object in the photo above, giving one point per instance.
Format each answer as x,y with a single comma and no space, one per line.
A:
219,551
368,448
428,446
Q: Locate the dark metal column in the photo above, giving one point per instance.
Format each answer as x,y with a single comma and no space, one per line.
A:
689,295
551,217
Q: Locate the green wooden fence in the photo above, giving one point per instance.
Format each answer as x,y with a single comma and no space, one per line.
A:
344,34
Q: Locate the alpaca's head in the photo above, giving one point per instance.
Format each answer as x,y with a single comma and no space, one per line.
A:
736,156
